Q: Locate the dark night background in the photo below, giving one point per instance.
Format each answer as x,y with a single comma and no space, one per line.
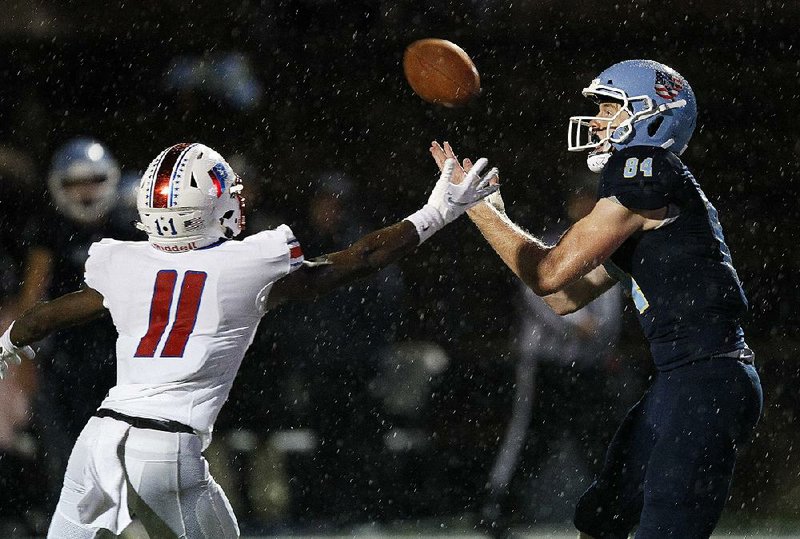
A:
325,91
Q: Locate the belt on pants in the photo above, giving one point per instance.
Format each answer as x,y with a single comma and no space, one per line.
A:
745,355
164,425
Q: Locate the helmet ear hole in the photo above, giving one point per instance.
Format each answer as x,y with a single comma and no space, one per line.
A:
652,129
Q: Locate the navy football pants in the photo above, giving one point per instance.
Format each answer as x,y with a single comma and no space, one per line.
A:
670,464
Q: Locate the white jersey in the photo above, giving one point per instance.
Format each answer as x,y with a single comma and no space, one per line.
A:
185,320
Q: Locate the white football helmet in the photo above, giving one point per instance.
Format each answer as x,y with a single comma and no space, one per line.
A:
189,198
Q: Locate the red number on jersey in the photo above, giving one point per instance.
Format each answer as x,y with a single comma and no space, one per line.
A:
185,314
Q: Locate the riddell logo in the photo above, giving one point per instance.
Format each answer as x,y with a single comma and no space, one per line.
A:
175,248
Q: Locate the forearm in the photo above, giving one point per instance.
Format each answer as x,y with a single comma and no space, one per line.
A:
67,311
373,252
524,254
366,256
581,292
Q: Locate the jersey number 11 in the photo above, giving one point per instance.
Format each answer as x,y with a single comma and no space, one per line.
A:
185,313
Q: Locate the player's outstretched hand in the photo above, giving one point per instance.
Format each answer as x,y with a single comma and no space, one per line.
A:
11,354
442,153
452,199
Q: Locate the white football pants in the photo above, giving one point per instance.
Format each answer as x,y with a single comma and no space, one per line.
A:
162,478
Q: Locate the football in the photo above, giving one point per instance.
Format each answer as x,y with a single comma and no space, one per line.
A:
440,72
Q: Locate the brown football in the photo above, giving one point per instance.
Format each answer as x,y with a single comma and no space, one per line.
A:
440,72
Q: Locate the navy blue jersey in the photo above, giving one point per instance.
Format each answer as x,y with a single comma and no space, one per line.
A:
680,275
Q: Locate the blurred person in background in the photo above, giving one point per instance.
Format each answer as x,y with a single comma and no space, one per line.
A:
669,466
563,365
83,183
336,347
20,500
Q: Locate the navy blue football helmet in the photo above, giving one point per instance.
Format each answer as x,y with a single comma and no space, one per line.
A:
660,105
83,180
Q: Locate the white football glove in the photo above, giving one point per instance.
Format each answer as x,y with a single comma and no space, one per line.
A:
11,354
448,201
459,198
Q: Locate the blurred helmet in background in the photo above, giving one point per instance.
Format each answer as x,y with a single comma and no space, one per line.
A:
83,180
189,197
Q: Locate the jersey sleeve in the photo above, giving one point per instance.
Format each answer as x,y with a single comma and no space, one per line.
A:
279,249
282,254
640,178
296,257
98,267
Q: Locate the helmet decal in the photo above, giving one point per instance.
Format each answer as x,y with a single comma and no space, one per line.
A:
218,176
667,86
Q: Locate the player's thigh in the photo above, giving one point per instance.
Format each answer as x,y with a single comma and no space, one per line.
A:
685,488
172,491
76,493
611,505
692,464
62,528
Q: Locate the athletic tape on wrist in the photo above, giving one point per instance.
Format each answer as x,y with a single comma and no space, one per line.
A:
427,221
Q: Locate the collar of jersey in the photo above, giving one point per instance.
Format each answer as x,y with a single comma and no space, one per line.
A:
210,245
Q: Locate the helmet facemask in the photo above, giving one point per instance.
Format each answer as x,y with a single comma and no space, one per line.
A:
581,136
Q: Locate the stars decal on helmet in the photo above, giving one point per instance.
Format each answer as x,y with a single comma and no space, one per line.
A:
667,86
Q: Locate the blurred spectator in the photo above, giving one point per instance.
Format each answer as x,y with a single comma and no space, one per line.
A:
561,393
17,448
337,345
77,368
302,421
228,77
16,201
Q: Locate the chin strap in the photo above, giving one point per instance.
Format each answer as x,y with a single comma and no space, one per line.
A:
597,161
679,104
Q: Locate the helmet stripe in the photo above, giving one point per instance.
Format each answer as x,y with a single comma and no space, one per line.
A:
175,170
161,184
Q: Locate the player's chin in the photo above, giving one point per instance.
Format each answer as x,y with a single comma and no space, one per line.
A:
603,148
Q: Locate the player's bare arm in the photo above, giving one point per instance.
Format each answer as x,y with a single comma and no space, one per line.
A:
549,269
581,292
378,249
44,318
568,275
369,254
66,311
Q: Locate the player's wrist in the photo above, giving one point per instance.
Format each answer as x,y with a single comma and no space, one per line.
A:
427,220
495,200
